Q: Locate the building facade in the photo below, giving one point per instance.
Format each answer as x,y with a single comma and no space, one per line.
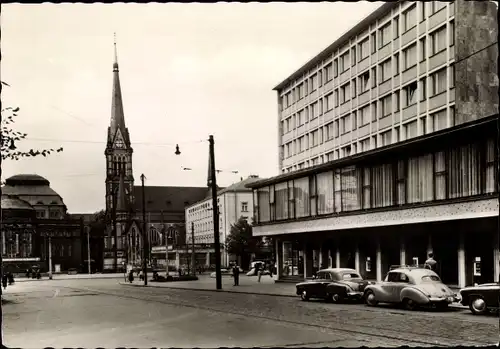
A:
34,220
124,238
390,78
234,202
411,165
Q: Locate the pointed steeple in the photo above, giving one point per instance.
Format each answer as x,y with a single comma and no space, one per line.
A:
117,114
121,200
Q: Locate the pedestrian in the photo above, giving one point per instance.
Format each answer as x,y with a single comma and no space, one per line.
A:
430,263
236,274
131,275
258,268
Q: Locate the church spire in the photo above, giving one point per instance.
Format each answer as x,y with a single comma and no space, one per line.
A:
117,114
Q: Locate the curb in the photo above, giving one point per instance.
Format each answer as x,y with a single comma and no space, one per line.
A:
211,290
67,278
242,292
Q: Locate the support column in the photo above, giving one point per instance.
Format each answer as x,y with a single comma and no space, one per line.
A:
379,262
320,258
496,260
330,260
402,253
461,261
356,260
304,253
279,259
337,258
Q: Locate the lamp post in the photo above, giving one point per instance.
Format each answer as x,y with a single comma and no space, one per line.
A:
88,249
144,234
213,184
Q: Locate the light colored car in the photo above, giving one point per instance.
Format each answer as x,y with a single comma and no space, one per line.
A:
224,272
412,287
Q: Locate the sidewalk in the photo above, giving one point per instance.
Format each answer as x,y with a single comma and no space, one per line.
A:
72,277
248,285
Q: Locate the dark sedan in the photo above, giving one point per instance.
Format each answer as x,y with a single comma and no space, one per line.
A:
481,298
334,285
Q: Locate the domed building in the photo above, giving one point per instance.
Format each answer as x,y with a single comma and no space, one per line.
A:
34,220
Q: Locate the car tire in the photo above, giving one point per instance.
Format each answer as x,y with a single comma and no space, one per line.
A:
370,298
477,306
304,296
409,304
333,298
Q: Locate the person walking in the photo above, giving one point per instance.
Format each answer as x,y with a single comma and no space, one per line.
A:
430,263
258,268
236,274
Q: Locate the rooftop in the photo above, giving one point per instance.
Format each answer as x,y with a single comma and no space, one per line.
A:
13,203
168,199
240,186
380,11
27,179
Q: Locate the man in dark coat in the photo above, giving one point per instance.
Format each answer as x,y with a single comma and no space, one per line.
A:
236,274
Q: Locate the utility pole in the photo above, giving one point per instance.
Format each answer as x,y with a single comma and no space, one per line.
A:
193,256
213,183
88,248
144,234
50,258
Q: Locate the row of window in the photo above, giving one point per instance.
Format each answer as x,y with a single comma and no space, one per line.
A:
52,214
388,68
334,129
406,96
17,245
463,171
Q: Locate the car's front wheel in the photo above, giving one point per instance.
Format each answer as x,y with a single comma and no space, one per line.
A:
409,304
304,296
370,298
333,297
477,306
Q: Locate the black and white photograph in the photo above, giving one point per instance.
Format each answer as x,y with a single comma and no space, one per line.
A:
250,174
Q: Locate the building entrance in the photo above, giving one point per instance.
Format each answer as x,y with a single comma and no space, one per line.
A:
293,259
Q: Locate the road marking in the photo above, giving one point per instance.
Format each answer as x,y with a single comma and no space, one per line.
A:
56,293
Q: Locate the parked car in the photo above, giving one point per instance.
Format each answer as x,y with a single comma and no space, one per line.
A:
225,272
334,285
412,287
481,298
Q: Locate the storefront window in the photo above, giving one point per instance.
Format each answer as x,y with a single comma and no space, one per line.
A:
351,194
301,188
324,184
264,207
463,171
281,198
382,184
419,182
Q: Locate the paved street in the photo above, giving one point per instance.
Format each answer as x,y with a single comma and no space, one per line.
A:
101,312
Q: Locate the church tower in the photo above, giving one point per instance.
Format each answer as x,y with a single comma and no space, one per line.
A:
118,169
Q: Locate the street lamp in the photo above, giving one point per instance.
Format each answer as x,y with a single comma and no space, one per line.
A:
213,184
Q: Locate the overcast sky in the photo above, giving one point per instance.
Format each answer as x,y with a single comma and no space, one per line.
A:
186,70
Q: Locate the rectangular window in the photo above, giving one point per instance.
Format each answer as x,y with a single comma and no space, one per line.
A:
395,27
263,204
438,82
420,179
336,129
396,101
336,92
374,42
325,192
314,82
437,6
335,68
423,49
364,82
440,175
452,76
385,70
384,35
329,72
367,187
364,115
301,195
353,57
410,56
463,171
354,120
365,144
337,191
329,102
373,112
350,179
386,138
346,124
423,89
281,198
386,103
410,18
364,49
401,182
345,94
353,88
423,11
438,40
452,32
291,200
312,193
314,110
329,131
411,93
396,64
344,62
411,129
490,167
382,185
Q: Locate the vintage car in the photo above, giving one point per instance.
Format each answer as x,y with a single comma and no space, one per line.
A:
334,285
481,298
412,287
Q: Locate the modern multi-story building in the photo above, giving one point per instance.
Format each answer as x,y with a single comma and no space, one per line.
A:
234,202
388,147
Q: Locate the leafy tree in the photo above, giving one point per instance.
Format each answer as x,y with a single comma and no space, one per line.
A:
240,241
98,223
